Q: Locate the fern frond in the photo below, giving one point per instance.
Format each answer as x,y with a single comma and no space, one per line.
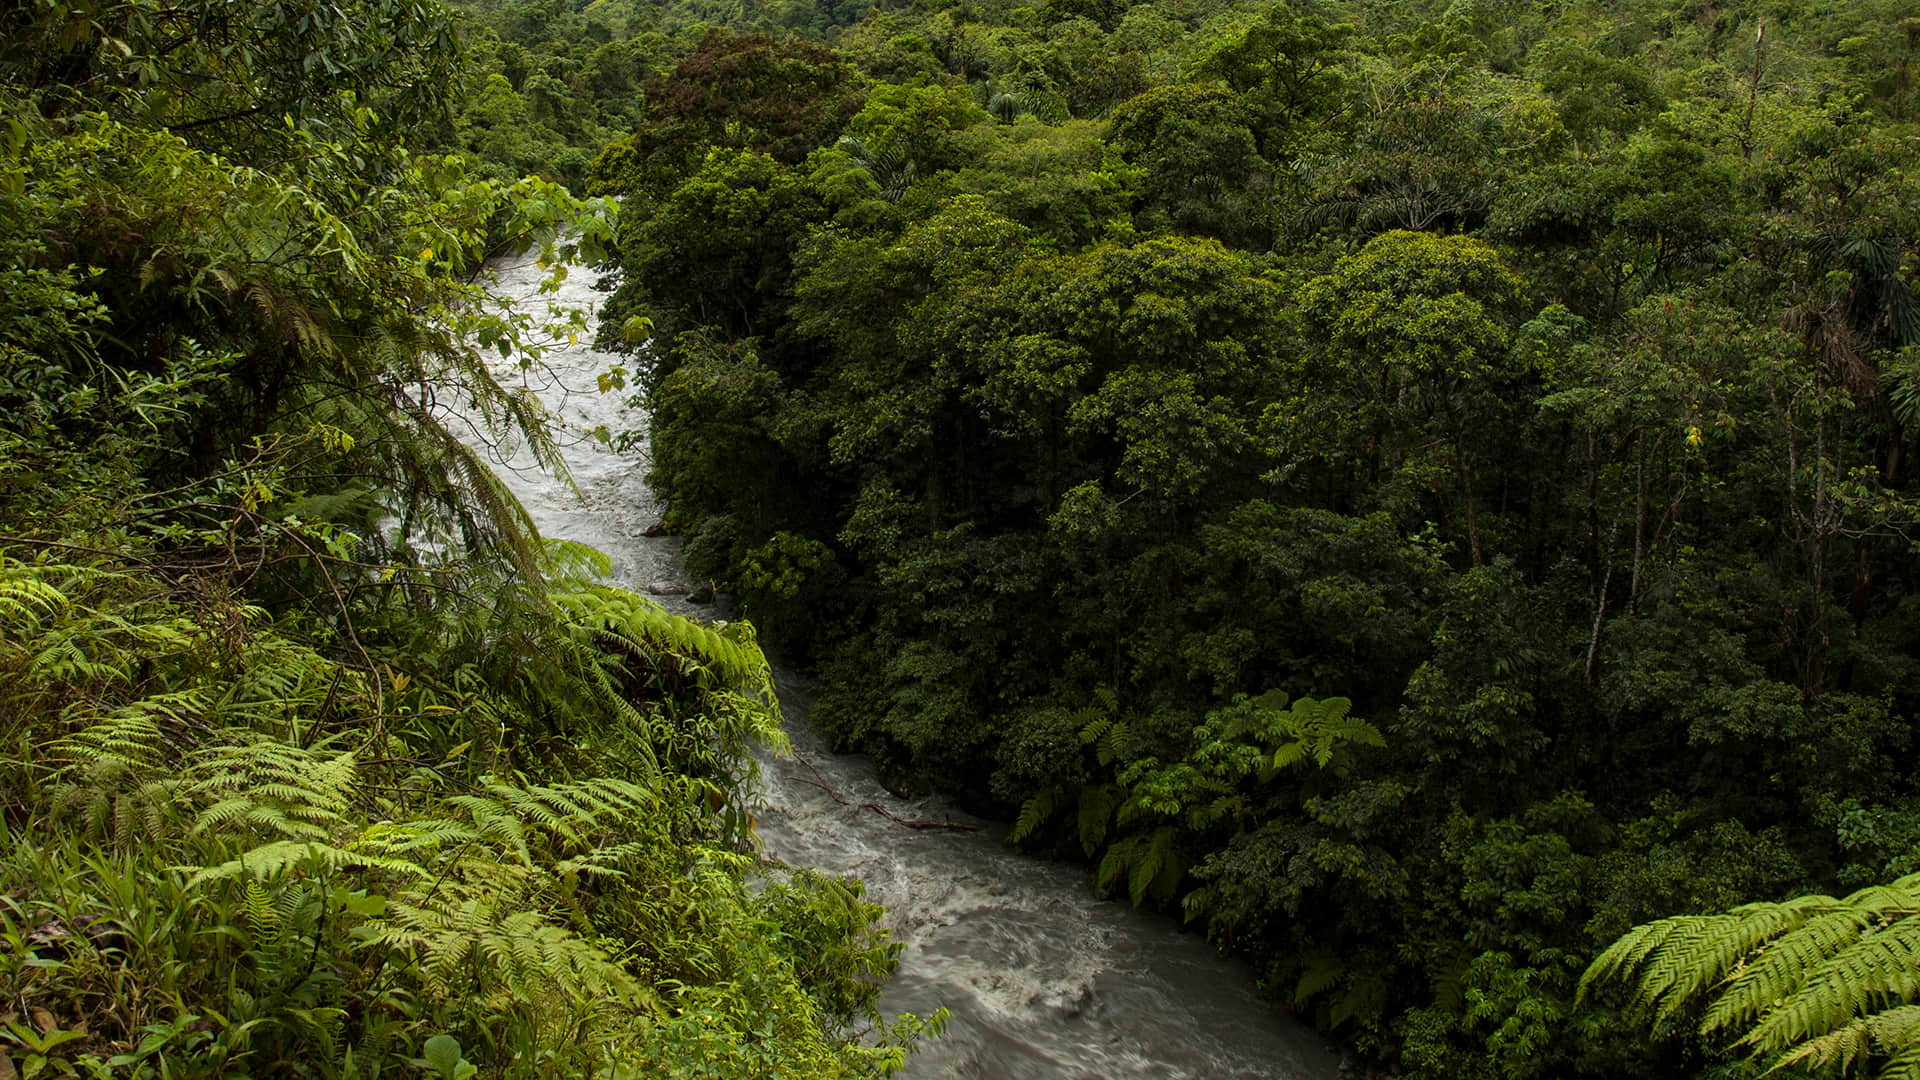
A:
1904,1064
1804,934
644,627
282,856
130,737
263,916
1147,862
1856,1042
1095,728
1870,966
272,787
416,838
26,600
1034,813
1097,803
1111,738
1317,729
1814,980
1322,972
467,945
604,863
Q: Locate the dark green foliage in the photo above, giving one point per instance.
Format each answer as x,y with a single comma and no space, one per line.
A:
744,92
244,81
1536,383
1203,172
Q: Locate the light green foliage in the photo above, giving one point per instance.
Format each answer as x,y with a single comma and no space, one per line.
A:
1315,729
1814,981
928,126
393,849
1061,180
1421,302
317,759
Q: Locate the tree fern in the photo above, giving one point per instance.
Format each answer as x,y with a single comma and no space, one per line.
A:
1034,813
1816,981
636,623
1147,862
1096,807
1316,730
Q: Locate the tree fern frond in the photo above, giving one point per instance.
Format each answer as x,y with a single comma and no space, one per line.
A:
1146,861
1110,737
605,862
1097,802
646,628
1856,1042
1904,1061
1878,966
1091,733
1780,960
494,822
129,736
270,786
1317,729
1322,972
415,838
521,951
1113,866
1034,813
1814,980
26,600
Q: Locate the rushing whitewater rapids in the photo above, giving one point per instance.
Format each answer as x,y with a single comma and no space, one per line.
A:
1042,978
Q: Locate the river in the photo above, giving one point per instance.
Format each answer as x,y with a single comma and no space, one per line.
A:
1042,978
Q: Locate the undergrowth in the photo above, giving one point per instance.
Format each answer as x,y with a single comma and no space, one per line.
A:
228,853
315,760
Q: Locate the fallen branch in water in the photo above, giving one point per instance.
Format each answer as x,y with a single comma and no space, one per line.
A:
911,823
920,823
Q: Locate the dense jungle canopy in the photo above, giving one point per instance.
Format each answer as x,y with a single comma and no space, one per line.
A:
1414,489
1417,490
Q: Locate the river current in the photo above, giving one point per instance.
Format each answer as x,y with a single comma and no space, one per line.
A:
1042,978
